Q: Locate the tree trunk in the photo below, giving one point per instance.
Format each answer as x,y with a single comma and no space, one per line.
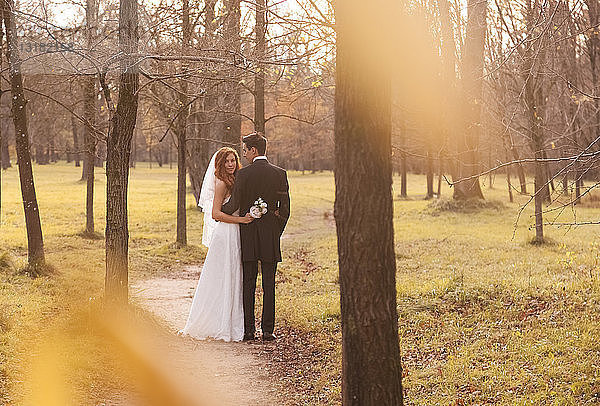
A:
233,120
101,153
510,192
35,242
449,128
490,177
534,122
593,45
171,154
403,176
371,370
41,154
468,161
52,151
133,155
89,111
571,67
549,183
4,155
4,152
259,77
429,194
89,114
520,169
118,145
403,158
181,135
197,154
440,174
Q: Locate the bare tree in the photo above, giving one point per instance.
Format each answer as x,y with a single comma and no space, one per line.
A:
89,113
182,131
35,242
259,77
75,132
118,150
468,159
233,120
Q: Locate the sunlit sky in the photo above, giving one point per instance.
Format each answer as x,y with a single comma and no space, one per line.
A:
66,13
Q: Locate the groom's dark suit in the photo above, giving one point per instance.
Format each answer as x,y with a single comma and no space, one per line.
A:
260,239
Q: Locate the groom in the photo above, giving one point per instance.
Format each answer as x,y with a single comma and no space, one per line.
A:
260,239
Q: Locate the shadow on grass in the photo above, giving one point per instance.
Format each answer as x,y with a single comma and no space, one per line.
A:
545,242
38,270
7,263
440,206
91,236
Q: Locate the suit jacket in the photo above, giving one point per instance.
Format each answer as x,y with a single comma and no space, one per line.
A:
261,239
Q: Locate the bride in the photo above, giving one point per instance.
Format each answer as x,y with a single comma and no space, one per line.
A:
217,309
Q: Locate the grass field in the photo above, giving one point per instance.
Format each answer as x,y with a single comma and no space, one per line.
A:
484,316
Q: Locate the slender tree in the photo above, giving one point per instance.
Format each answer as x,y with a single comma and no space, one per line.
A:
593,46
510,192
118,150
429,172
572,72
181,131
75,132
371,370
5,157
233,121
35,242
259,77
4,150
532,101
403,161
449,128
89,113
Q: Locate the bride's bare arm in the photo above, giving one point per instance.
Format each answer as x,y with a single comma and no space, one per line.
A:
218,215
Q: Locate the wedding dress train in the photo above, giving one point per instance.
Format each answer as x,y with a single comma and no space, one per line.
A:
217,309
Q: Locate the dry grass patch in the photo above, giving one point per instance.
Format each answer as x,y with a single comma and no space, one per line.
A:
442,205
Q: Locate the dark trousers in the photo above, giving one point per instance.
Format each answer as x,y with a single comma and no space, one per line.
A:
268,269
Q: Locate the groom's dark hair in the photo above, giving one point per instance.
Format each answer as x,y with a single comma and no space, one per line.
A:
256,140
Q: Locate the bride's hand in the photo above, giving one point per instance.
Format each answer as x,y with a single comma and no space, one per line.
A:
247,219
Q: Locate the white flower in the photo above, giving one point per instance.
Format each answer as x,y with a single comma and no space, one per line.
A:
259,208
256,212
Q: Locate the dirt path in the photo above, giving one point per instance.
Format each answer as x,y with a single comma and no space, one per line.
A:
232,370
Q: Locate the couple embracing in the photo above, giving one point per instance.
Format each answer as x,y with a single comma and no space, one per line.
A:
245,212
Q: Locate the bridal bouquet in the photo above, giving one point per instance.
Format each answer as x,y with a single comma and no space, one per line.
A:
259,208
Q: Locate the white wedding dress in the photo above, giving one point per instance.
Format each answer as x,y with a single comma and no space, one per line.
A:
217,310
